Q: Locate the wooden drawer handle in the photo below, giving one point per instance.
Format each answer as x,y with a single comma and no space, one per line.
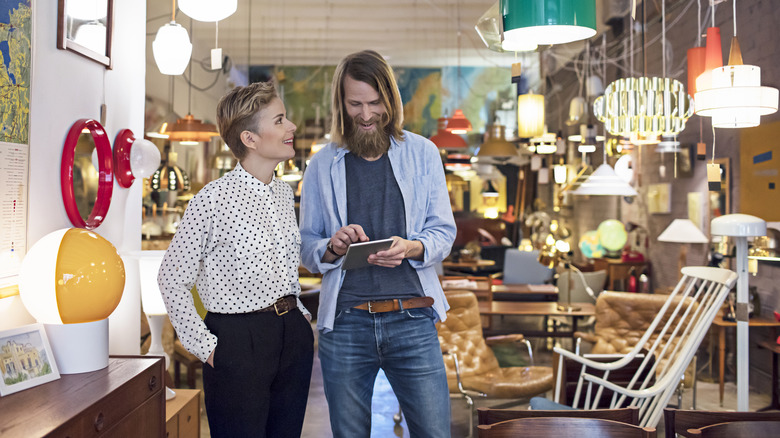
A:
153,383
99,422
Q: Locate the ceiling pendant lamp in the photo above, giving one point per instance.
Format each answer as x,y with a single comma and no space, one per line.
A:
458,123
171,47
604,181
547,21
488,28
530,115
208,10
496,145
735,97
444,139
713,58
191,129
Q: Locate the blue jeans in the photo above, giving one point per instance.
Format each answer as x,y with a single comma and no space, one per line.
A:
406,346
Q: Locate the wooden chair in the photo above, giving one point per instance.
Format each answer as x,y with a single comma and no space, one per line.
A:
564,426
472,368
622,415
190,362
671,341
751,429
679,421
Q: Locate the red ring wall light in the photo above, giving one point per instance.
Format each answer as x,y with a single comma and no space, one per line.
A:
105,174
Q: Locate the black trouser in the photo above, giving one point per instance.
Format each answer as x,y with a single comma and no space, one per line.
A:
260,381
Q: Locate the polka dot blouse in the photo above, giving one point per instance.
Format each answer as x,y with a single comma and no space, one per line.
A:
239,243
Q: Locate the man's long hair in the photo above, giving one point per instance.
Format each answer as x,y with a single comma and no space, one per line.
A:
367,66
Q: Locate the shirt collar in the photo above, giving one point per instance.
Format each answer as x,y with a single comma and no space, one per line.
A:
259,187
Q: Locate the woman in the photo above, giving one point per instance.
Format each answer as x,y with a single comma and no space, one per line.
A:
239,243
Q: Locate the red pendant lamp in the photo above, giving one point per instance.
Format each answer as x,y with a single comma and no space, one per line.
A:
696,65
712,60
445,139
458,123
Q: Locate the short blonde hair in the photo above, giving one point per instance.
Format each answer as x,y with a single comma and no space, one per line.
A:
367,66
239,111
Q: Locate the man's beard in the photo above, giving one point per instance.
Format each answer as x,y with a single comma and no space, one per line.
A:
367,144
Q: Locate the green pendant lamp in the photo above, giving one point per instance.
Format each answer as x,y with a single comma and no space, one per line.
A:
547,22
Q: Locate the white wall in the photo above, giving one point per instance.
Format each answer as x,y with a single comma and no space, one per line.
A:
67,87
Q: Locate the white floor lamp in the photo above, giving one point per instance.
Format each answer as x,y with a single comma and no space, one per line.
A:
740,227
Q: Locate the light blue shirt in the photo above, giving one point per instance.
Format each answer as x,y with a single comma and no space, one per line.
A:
419,173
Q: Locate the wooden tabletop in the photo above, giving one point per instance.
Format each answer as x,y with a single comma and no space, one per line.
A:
468,264
535,308
756,321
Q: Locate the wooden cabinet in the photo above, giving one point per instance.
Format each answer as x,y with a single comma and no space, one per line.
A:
182,414
124,399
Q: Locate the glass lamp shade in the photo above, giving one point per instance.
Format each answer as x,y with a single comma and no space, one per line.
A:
445,139
644,107
548,21
735,97
144,158
696,62
172,49
457,162
208,10
191,129
530,115
458,123
92,35
87,9
559,173
612,234
682,231
604,181
71,276
495,145
488,28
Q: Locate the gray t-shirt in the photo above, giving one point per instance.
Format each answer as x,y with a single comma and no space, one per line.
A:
374,202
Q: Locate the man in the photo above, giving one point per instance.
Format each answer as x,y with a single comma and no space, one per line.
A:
376,181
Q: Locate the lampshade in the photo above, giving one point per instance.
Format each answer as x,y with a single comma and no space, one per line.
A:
496,146
144,158
530,115
604,181
713,58
172,49
643,107
170,177
612,235
71,275
544,144
682,231
548,21
458,162
696,63
458,123
559,173
161,129
191,129
445,139
490,190
208,10
92,35
736,98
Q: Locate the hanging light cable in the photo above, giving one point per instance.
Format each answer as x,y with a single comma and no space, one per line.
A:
458,123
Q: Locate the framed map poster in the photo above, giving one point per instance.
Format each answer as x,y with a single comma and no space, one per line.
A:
15,74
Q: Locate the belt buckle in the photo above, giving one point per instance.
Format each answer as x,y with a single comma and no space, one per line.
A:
277,309
370,310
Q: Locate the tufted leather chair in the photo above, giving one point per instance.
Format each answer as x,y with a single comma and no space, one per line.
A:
461,335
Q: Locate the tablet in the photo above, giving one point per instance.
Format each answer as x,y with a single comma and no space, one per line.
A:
357,253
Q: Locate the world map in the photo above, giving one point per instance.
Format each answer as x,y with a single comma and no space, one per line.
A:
15,63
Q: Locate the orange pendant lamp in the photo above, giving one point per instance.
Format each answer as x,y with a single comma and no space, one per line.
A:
458,123
444,139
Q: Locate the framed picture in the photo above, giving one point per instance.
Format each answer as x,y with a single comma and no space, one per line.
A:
685,161
26,358
85,28
659,198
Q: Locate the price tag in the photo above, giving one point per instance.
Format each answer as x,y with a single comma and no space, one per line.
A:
701,151
216,59
713,177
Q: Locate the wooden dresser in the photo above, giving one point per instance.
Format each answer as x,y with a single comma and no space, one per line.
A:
182,414
126,399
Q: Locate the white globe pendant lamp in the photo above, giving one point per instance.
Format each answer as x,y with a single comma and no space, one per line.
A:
208,10
172,49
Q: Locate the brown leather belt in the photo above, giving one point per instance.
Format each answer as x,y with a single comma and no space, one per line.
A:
281,306
396,305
